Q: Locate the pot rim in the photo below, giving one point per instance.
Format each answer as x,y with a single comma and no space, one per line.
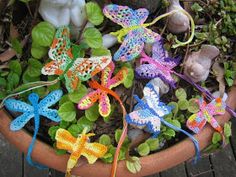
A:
151,164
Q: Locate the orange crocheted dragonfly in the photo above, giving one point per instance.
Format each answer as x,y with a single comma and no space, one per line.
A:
79,146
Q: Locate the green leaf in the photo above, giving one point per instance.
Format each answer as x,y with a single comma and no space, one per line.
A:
143,149
94,13
84,122
175,123
27,78
100,52
38,51
92,113
153,143
118,133
60,151
42,91
12,81
67,111
3,94
64,124
196,7
16,45
134,165
122,153
15,67
227,130
181,94
105,140
78,51
75,130
76,96
128,82
183,104
43,34
3,82
64,99
54,86
175,107
169,132
34,68
193,106
216,138
93,37
52,132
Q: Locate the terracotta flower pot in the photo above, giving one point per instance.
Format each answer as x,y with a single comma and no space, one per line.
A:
154,163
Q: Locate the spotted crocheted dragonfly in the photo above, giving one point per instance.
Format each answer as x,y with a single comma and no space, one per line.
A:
134,30
197,121
150,113
66,66
159,65
35,110
79,147
102,90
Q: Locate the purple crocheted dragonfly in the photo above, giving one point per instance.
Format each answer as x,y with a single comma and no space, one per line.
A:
35,110
160,65
134,32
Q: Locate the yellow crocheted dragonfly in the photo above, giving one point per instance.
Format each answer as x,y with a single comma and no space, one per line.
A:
79,146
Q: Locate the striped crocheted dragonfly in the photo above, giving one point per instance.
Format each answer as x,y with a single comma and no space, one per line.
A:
150,113
159,65
197,121
102,90
134,32
79,147
35,110
66,66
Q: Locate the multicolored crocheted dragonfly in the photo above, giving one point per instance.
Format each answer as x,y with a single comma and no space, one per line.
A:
79,147
150,111
134,32
35,110
102,90
197,121
66,66
159,65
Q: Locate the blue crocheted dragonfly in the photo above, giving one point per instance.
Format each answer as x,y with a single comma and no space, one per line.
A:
35,110
150,112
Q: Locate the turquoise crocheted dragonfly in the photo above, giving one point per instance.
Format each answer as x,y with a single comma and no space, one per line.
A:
35,110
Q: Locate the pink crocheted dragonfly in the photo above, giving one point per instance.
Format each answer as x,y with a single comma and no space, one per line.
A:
102,90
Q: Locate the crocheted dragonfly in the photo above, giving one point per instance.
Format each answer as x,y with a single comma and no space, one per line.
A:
134,30
197,121
159,65
35,110
150,112
102,90
79,147
66,66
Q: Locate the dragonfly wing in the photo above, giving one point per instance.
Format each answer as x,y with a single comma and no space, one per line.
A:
216,107
88,100
107,74
118,78
131,47
60,53
149,36
144,117
51,99
125,16
196,122
64,140
17,106
21,120
85,68
104,105
147,71
212,121
93,151
51,114
158,51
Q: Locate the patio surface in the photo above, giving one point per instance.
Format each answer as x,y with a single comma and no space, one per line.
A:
220,164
